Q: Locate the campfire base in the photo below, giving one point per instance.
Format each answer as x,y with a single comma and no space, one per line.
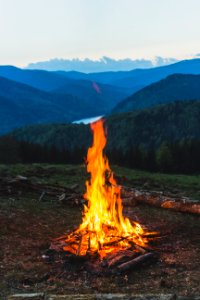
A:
118,262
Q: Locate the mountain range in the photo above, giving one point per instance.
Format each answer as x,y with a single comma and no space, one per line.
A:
139,78
21,104
41,97
38,97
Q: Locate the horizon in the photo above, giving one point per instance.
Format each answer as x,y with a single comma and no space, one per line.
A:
104,64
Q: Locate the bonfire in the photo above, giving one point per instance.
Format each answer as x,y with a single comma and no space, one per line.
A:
104,229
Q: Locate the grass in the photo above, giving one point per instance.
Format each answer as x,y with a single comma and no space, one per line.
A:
187,185
68,175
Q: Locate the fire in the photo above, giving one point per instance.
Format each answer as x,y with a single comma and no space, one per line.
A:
104,229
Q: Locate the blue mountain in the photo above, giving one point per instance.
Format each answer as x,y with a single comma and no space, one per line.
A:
176,87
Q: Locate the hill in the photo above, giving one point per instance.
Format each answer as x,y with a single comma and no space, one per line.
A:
174,88
103,95
165,138
39,79
21,105
147,128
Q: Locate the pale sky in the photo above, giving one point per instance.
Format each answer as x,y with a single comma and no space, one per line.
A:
35,30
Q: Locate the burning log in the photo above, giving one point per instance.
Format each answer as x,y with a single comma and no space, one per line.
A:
79,246
136,262
162,201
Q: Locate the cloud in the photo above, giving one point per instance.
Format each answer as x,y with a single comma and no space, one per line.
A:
102,65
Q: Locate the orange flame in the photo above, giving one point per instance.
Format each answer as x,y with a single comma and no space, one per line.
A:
104,228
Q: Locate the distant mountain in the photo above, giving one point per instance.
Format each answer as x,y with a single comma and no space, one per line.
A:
103,78
21,105
102,65
135,80
146,77
173,88
68,96
104,95
43,80
147,128
129,81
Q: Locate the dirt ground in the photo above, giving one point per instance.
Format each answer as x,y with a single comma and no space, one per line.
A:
27,228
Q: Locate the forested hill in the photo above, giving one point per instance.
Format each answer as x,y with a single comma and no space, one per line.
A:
148,128
21,105
174,88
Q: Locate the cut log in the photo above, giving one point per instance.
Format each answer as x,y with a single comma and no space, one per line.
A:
162,201
129,201
136,262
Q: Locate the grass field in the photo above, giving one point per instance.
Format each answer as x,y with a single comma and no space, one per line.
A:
66,175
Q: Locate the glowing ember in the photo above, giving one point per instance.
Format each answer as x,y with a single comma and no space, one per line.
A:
104,229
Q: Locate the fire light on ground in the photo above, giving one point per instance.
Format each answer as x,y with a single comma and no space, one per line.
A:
104,229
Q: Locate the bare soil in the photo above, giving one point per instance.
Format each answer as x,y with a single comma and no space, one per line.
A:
27,228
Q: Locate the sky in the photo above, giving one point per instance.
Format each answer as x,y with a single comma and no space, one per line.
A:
36,30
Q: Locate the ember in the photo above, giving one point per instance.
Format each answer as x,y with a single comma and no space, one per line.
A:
104,229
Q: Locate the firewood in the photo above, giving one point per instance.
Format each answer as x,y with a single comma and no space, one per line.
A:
114,242
140,249
121,257
162,201
138,261
79,246
129,201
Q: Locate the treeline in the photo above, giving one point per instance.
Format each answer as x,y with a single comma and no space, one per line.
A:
150,128
13,151
179,157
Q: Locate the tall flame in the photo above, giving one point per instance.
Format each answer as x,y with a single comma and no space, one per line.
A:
104,228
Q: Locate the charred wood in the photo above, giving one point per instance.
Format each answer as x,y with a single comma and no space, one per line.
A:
121,257
136,262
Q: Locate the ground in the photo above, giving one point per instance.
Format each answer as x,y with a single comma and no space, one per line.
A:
27,227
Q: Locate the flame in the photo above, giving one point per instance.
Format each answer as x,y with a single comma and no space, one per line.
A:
104,229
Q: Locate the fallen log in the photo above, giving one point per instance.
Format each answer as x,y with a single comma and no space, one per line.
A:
136,262
129,201
163,201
